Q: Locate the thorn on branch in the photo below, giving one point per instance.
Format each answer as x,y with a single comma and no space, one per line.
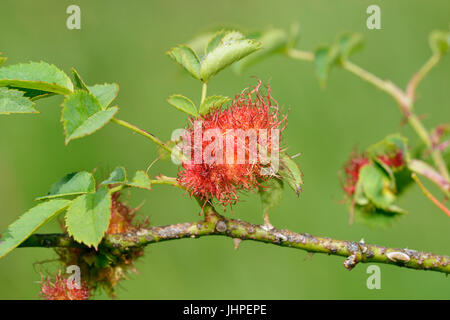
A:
236,242
267,226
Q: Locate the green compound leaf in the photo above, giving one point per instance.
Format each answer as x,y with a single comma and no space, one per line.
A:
232,47
40,76
183,104
87,219
83,114
72,184
440,41
213,102
290,172
105,93
28,223
272,41
119,175
187,58
13,101
271,193
141,180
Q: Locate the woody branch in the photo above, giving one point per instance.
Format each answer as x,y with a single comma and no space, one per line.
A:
215,224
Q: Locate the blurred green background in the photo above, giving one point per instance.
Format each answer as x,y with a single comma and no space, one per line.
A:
125,42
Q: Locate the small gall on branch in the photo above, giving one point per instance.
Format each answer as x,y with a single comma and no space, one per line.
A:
61,288
374,178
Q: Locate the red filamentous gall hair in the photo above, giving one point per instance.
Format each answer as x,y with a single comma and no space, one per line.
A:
59,289
351,170
223,181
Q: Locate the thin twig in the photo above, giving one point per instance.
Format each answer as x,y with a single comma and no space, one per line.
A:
429,195
204,90
142,132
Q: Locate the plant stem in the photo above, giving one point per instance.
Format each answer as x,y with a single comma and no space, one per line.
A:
142,132
217,225
300,55
430,173
167,181
386,86
430,196
423,71
436,155
204,90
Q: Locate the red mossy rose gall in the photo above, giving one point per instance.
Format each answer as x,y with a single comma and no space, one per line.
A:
395,160
351,171
357,161
60,288
104,268
251,111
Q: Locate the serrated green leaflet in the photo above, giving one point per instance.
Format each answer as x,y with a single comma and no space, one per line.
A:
79,83
183,104
72,184
290,172
212,102
83,115
232,48
141,180
36,76
199,43
13,101
87,219
272,41
214,41
105,93
119,175
28,223
271,192
187,58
